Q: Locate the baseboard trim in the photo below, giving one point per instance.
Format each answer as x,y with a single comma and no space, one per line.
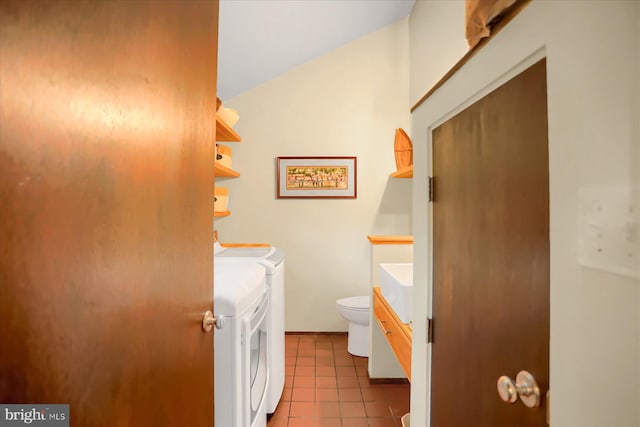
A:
314,333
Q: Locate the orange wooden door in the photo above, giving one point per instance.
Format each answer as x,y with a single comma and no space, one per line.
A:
106,174
491,255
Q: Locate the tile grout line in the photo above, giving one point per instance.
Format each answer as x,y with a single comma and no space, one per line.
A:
370,412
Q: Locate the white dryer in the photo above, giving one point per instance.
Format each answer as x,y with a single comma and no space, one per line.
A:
241,305
272,259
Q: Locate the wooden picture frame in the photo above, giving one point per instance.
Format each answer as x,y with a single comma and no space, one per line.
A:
317,177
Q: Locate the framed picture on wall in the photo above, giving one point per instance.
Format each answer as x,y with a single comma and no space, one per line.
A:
317,177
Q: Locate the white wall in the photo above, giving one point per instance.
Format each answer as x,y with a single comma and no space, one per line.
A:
437,42
593,64
349,103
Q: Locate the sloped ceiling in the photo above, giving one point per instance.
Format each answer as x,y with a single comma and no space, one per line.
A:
261,39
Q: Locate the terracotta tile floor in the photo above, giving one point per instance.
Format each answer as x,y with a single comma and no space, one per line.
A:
327,387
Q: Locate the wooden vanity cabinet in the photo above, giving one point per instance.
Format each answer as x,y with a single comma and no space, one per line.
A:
398,334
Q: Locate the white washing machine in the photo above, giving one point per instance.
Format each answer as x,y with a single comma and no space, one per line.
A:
272,259
241,305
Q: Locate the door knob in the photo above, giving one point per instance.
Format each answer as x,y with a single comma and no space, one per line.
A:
209,321
507,389
525,387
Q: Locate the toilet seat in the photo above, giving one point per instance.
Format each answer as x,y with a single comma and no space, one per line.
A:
359,303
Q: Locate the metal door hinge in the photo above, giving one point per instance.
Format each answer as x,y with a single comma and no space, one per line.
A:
548,404
429,330
430,189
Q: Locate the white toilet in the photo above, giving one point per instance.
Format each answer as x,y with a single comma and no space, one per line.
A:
356,311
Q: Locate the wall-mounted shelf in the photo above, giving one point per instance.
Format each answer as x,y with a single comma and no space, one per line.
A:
223,171
245,245
224,133
390,240
403,173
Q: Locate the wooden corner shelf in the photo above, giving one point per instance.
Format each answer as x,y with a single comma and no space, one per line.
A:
403,173
390,240
245,245
224,133
223,171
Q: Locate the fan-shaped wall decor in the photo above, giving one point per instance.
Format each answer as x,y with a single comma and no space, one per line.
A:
403,149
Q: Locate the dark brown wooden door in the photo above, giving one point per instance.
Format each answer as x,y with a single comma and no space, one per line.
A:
106,173
491,255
